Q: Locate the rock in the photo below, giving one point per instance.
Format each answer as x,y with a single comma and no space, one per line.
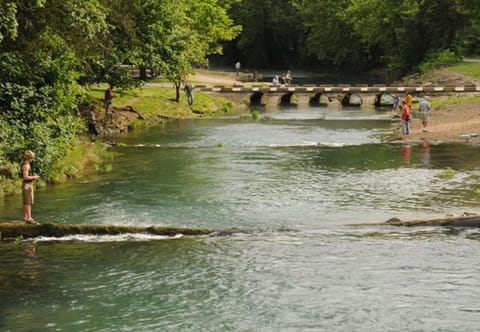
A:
17,229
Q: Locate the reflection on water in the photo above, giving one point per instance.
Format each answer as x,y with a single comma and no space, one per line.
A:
291,182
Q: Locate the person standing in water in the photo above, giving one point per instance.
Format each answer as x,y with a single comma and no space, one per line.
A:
405,118
27,186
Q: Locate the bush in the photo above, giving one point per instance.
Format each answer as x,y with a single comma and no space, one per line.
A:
439,59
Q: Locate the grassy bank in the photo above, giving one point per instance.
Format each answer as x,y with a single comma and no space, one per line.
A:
155,103
81,159
468,68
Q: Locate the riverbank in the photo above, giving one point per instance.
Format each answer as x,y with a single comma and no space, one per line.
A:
449,123
454,118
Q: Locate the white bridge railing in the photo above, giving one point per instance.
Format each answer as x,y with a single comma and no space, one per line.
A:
338,89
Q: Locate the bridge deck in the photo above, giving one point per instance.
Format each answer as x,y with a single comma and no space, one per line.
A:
338,89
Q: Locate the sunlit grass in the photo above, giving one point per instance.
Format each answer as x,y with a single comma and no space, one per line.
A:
454,101
160,101
471,69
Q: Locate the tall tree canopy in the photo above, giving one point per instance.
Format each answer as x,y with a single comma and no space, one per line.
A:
49,48
352,33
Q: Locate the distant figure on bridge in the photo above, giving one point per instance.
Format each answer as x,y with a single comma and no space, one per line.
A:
275,80
424,110
189,92
288,77
237,67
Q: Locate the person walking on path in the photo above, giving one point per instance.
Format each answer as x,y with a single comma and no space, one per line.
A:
405,118
27,186
108,99
424,110
237,67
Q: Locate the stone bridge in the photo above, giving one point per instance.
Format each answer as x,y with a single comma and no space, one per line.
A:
322,95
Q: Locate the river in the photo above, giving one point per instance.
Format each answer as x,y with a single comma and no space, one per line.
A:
291,184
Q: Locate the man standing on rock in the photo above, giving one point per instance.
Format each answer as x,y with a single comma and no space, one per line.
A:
424,110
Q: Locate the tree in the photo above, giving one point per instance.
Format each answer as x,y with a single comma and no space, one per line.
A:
271,35
175,34
47,44
330,35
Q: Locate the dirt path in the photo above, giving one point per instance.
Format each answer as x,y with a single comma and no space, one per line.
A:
212,78
449,123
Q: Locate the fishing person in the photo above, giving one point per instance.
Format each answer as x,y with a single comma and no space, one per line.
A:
92,123
189,92
27,186
108,98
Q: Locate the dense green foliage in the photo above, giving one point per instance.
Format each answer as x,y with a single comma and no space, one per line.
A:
51,49
398,34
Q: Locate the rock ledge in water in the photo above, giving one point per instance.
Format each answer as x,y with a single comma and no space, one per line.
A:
15,229
465,220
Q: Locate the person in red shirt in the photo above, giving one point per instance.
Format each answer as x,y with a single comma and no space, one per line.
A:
405,118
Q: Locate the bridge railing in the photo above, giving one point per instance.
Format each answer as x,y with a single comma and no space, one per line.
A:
341,88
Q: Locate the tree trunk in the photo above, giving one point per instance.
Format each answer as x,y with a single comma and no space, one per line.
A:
143,73
177,91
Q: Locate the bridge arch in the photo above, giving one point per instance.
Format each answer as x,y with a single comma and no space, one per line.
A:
286,99
256,99
352,99
318,99
384,100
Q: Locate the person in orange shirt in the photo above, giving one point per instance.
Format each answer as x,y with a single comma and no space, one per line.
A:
409,99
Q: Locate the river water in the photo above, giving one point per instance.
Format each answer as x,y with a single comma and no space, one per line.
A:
291,184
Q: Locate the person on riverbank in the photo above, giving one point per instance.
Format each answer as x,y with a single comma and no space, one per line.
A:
409,99
424,110
396,103
108,99
189,92
27,186
92,123
405,118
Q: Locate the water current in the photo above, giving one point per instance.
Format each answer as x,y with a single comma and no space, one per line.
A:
291,184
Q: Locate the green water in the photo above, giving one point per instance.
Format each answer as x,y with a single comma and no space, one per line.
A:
291,184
